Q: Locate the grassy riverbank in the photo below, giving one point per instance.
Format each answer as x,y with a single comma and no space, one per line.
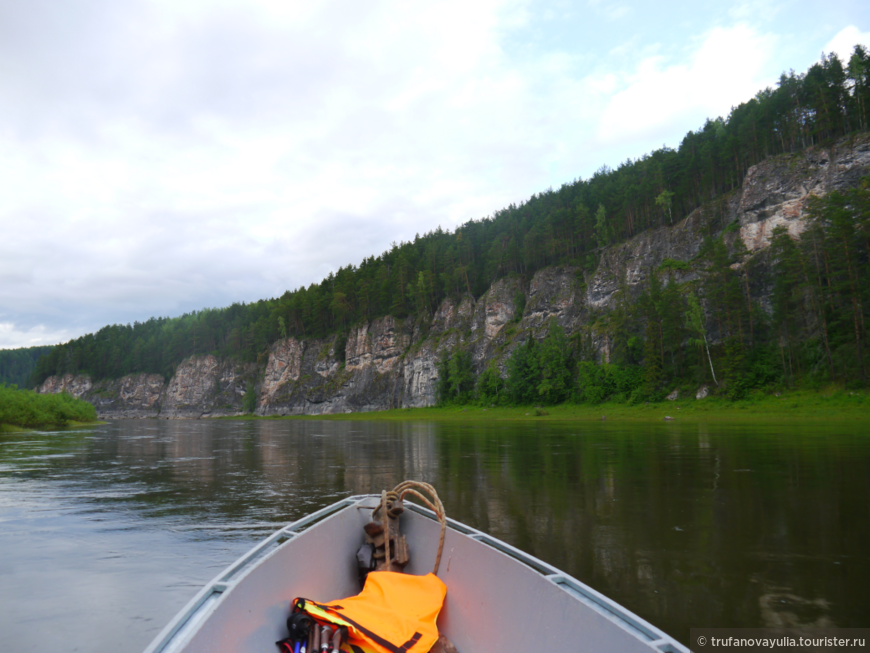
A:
25,409
833,404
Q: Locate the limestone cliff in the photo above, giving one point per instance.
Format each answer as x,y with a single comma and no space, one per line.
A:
201,387
307,377
391,363
204,386
136,395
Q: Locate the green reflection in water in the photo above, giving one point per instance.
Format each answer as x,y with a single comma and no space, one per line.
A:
687,526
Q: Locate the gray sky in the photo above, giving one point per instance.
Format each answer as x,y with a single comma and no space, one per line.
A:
161,157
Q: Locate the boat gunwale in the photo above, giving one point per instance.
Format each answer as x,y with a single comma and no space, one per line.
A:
185,623
192,613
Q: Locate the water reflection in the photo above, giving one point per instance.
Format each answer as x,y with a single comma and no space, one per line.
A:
687,525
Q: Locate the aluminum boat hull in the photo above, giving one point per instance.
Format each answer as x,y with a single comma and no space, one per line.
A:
498,598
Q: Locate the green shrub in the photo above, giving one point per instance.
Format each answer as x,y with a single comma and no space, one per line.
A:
597,383
519,306
491,387
28,409
674,264
249,401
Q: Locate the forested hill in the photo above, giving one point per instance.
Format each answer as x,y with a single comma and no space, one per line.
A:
17,365
570,225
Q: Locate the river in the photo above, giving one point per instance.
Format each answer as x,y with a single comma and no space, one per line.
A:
107,531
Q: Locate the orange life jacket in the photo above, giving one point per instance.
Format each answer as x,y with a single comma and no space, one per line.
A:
395,613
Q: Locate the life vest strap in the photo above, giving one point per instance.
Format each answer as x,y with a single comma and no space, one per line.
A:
327,613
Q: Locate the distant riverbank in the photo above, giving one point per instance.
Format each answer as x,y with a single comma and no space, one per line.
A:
25,409
797,405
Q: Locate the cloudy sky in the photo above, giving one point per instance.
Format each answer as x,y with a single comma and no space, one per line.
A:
158,157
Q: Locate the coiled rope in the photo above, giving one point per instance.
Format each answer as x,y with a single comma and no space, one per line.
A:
433,502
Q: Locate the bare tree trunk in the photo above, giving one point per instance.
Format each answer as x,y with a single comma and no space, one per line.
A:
712,371
749,305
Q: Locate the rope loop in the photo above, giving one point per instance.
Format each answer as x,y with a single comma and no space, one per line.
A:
386,522
433,502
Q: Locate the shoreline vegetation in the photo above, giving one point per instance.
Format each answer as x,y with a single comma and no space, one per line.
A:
831,404
22,410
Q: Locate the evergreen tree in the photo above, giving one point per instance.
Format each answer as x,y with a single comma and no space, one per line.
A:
555,362
524,373
491,387
601,227
461,376
789,292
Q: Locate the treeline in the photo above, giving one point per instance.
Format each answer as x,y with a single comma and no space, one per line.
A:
568,225
16,365
816,333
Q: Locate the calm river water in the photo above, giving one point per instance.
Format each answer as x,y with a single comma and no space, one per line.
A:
106,532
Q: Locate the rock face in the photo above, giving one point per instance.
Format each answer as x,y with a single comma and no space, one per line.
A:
775,192
204,386
391,363
315,382
285,364
77,386
136,395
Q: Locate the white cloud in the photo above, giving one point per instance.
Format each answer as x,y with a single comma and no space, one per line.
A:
165,159
726,67
11,337
845,41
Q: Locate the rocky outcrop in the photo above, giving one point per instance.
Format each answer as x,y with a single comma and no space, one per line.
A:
391,363
495,309
314,381
556,294
774,193
135,395
285,364
75,385
204,386
378,344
